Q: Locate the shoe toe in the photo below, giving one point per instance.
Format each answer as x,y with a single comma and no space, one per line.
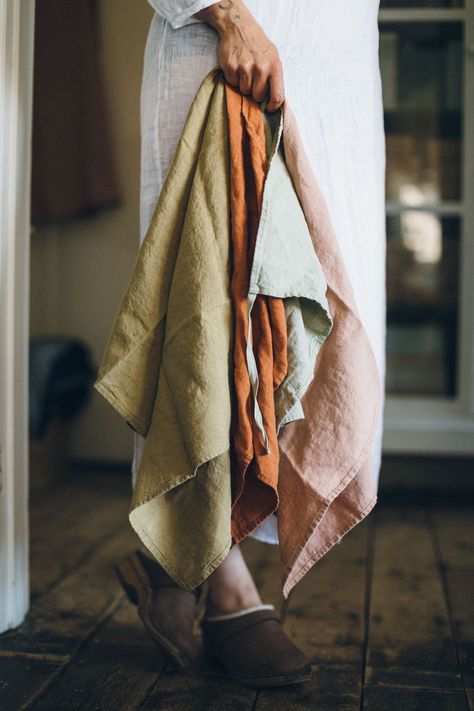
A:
256,650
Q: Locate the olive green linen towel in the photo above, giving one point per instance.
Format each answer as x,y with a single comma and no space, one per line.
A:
166,367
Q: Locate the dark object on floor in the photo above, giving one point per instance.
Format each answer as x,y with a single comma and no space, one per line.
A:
61,372
170,620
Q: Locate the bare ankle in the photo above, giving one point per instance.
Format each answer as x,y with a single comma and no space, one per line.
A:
231,586
225,598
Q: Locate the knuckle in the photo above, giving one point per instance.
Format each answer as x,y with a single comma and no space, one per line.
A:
262,68
246,65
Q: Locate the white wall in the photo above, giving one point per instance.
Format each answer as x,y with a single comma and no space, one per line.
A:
79,271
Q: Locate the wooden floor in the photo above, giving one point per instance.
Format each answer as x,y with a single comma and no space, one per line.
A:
387,616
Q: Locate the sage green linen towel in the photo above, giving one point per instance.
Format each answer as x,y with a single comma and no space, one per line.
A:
285,265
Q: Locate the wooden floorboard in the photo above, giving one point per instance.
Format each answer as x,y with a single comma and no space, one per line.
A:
325,616
402,699
62,536
199,692
114,669
386,615
59,621
470,699
334,687
22,679
453,533
410,636
73,584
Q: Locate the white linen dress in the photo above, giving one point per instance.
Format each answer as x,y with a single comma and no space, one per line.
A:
329,53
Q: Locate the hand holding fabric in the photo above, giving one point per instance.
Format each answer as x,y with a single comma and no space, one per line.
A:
249,60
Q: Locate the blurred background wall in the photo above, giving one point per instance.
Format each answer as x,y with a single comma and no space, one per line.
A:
80,268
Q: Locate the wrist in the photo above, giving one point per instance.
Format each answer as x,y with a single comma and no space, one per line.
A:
224,16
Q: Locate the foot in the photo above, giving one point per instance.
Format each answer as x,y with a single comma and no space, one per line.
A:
172,609
254,649
166,610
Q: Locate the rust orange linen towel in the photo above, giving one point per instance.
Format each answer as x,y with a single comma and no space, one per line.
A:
254,467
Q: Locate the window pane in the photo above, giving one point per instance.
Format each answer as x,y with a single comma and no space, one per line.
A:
421,66
422,303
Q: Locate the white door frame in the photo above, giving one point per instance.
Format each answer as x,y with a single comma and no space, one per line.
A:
16,71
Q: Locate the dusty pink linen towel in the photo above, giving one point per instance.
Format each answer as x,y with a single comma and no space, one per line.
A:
326,483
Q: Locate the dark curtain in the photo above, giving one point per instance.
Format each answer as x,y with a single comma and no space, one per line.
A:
73,171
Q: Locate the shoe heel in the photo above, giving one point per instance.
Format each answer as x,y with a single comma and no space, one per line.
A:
129,589
133,579
130,580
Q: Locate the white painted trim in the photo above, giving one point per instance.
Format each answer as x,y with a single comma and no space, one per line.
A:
16,63
443,425
415,437
422,14
443,208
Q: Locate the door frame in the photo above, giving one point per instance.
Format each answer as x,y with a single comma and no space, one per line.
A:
16,98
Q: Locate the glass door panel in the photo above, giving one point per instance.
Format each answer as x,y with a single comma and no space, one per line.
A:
421,65
422,303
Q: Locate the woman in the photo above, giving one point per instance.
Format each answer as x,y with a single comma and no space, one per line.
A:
323,59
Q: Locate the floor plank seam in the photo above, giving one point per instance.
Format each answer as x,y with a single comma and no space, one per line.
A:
35,656
257,696
415,687
152,689
444,582
370,558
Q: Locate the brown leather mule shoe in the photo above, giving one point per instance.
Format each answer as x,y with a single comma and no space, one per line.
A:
166,610
254,649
